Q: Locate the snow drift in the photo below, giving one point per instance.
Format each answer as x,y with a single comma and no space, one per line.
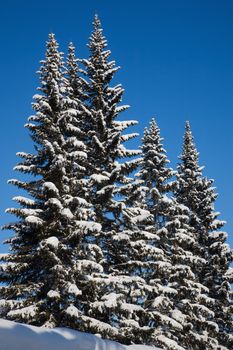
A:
17,336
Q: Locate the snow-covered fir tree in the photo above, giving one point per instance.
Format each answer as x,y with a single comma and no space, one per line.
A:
75,89
105,138
110,187
154,173
151,192
48,274
197,193
192,306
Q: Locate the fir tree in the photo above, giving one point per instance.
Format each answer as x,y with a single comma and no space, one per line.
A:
48,275
154,172
105,137
110,188
197,193
192,306
75,89
153,194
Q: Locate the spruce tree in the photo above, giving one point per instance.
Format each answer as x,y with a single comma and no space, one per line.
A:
104,137
75,94
154,173
48,274
192,306
197,193
153,194
110,187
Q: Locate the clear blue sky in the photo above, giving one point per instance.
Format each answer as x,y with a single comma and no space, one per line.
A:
177,64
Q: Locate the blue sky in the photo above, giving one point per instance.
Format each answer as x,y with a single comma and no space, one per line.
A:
177,64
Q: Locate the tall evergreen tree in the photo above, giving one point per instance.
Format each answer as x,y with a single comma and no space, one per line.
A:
154,173
192,306
75,94
110,187
197,193
153,194
105,138
48,275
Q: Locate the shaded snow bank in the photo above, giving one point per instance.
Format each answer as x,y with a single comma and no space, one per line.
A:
17,336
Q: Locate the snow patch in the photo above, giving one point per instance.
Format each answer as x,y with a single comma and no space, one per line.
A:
99,178
49,186
51,241
73,289
53,294
33,220
88,226
67,213
16,336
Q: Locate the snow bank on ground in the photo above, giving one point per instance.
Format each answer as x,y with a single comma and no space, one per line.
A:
17,336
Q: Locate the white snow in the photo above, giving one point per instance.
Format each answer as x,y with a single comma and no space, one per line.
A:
34,220
73,289
24,200
81,201
49,186
144,214
53,294
88,226
51,241
99,178
109,301
76,143
78,154
16,336
229,273
67,213
121,125
54,202
28,311
88,264
131,307
72,311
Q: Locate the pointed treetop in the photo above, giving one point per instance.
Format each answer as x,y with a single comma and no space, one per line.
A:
189,174
188,131
154,169
153,124
52,42
51,77
97,41
71,46
51,36
96,22
153,133
187,125
154,127
72,61
71,53
52,53
188,137
74,81
189,151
